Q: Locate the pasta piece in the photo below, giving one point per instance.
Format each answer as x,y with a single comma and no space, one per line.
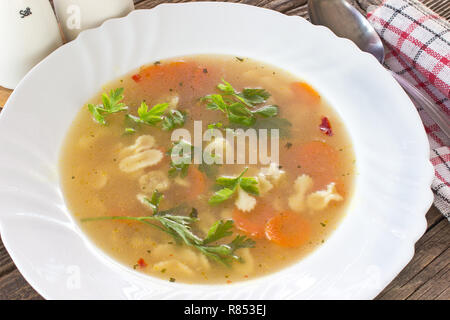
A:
270,83
184,258
173,101
244,201
163,251
142,143
154,180
141,197
248,265
173,266
141,160
302,185
264,184
319,200
273,173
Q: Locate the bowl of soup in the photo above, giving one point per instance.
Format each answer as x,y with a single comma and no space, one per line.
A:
262,159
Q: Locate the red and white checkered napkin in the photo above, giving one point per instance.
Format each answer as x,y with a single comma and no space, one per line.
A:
418,48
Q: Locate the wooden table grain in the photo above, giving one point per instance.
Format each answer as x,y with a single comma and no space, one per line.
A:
427,276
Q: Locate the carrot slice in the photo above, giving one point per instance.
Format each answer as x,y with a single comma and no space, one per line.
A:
198,182
287,229
305,93
172,69
315,158
176,72
253,223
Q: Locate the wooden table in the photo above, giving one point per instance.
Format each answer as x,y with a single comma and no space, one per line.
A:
427,276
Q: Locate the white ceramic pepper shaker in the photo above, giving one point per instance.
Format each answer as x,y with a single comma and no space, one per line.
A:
28,32
78,15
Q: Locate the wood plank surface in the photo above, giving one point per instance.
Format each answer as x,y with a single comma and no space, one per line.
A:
427,276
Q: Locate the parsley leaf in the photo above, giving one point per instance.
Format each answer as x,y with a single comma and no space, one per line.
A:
152,116
112,103
175,119
249,185
179,227
221,195
249,96
183,158
266,111
157,114
215,125
229,186
219,230
238,106
252,97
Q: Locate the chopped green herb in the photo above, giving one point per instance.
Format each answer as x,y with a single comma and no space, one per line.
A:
130,130
175,119
229,186
150,116
184,152
239,106
170,120
216,125
112,103
179,227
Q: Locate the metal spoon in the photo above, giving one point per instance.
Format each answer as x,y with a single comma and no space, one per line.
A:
347,22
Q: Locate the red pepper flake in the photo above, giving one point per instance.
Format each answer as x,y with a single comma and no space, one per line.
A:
141,262
325,126
137,77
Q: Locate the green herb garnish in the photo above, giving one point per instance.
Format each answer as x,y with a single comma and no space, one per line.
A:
150,116
215,125
229,185
179,227
174,119
112,103
157,114
184,153
240,106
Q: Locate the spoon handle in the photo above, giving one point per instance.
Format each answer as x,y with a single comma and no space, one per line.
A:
442,120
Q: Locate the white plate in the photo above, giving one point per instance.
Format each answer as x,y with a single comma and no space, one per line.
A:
373,243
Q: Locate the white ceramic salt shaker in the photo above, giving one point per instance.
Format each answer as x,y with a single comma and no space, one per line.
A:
28,33
78,15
